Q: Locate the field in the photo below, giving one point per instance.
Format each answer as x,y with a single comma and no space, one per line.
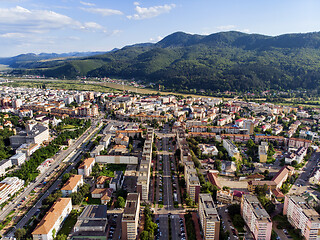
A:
59,84
92,86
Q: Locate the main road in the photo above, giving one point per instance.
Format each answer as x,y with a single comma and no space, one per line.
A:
74,158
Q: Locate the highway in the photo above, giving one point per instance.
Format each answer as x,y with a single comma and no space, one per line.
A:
76,156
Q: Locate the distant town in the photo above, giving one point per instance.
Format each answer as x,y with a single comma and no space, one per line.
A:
124,165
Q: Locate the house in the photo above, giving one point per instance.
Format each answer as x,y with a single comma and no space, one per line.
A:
228,167
53,220
101,181
86,166
96,151
208,149
104,194
72,185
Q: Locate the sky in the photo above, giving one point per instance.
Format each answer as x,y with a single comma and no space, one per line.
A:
36,26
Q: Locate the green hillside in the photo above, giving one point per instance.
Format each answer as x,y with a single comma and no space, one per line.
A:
221,61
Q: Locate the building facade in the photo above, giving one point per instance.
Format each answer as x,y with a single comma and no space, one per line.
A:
209,217
256,217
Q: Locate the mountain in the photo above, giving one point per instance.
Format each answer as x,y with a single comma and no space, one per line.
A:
222,61
16,61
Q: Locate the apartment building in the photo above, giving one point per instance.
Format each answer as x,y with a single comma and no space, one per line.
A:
225,196
209,217
143,180
34,134
232,150
130,217
52,221
8,187
92,223
263,151
117,181
302,216
192,181
86,166
72,185
256,217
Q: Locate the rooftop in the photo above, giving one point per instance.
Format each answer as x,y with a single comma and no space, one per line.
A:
72,182
55,212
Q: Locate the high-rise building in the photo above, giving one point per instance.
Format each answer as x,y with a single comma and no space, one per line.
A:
130,217
209,217
302,216
256,217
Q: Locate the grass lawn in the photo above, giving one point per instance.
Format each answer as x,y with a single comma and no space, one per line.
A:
91,201
68,127
69,223
191,232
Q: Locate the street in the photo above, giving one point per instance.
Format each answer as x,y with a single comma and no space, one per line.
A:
73,159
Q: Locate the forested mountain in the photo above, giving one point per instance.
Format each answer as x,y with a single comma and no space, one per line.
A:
28,58
220,61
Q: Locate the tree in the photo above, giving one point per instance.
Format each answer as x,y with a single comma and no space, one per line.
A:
20,233
217,164
144,235
65,177
76,198
238,221
120,203
61,237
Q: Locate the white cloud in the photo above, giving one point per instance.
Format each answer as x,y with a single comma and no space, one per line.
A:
87,4
115,32
12,35
103,11
232,28
157,39
144,13
92,25
226,28
20,19
136,3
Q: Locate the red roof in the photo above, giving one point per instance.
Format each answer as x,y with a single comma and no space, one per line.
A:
214,180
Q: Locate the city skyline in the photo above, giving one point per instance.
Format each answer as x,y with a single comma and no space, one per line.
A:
80,26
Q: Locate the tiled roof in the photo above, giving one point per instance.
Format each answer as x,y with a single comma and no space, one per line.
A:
48,221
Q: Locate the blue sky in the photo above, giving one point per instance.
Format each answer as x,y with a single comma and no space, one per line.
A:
101,25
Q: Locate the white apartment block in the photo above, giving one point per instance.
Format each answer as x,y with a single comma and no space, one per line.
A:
302,216
52,221
72,185
232,150
86,166
8,187
143,180
209,217
256,217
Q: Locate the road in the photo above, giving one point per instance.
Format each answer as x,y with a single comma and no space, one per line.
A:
225,220
302,183
163,227
175,227
73,160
